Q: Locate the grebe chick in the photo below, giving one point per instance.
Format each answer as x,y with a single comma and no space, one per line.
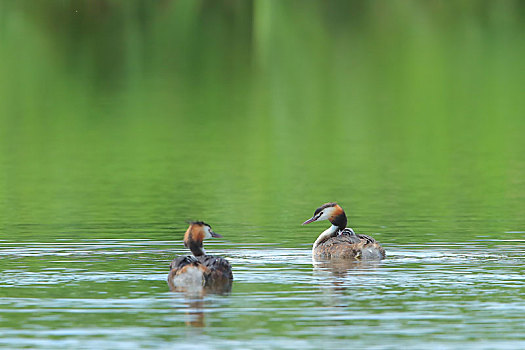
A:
200,270
339,241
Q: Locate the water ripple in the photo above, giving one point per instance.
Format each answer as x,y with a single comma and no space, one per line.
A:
58,293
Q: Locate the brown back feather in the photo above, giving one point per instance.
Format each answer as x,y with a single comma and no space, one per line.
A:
347,246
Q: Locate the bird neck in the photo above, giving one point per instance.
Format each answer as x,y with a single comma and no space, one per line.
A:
329,232
196,247
340,221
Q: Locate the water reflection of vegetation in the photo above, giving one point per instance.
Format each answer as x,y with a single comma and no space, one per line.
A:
138,113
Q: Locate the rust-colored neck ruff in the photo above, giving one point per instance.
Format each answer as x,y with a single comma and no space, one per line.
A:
339,218
193,239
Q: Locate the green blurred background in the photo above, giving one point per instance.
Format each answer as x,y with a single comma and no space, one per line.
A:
126,118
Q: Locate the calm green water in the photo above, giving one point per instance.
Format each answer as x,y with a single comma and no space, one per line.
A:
121,120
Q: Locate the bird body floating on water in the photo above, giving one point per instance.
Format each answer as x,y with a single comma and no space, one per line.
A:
339,241
210,272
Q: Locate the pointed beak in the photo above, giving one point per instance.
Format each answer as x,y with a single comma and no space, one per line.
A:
312,219
215,235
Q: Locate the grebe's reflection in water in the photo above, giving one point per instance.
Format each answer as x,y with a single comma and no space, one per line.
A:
342,267
340,275
195,294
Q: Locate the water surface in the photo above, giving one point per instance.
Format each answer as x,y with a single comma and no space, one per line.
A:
113,294
121,120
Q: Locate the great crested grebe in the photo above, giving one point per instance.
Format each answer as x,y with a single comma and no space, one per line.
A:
339,241
200,270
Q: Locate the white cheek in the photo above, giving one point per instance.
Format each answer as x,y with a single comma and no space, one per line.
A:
207,233
323,217
326,214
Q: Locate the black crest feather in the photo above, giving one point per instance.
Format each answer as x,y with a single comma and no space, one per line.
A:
324,206
198,223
